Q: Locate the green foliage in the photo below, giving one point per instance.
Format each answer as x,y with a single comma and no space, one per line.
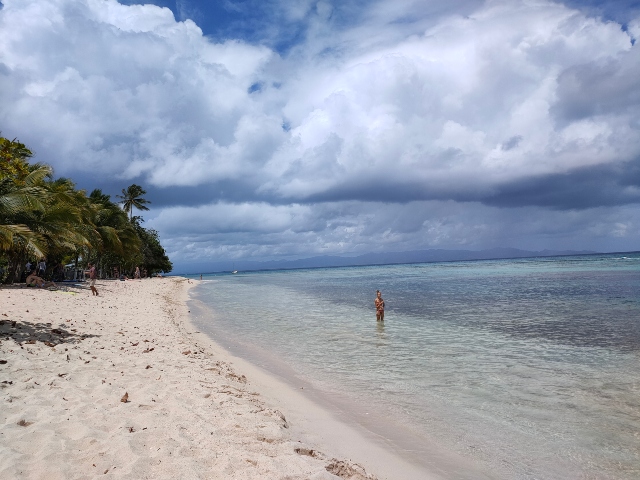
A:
132,197
13,156
22,198
154,258
42,216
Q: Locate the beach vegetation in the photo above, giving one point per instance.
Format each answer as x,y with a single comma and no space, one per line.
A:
153,254
132,197
41,216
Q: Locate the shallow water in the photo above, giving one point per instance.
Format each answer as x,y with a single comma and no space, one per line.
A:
528,367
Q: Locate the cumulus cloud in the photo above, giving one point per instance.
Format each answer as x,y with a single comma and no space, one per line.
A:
127,91
475,107
437,109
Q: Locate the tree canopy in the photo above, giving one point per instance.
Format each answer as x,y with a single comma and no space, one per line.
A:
41,216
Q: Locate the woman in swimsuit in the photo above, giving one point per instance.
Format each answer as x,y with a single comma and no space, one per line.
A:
379,303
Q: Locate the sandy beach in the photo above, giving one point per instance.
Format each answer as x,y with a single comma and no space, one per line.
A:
122,385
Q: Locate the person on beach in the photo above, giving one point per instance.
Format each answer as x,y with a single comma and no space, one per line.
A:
92,278
137,273
58,273
42,267
35,281
379,303
27,269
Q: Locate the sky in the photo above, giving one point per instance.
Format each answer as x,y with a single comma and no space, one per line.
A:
273,129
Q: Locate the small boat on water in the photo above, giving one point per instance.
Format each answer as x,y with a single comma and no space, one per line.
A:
235,271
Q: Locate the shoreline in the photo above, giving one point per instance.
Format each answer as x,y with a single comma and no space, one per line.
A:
122,385
313,422
332,423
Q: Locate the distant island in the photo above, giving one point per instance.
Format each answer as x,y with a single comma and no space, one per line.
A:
383,258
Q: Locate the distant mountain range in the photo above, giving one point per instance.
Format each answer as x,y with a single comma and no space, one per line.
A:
386,258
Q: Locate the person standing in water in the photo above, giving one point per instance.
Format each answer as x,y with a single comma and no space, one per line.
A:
379,303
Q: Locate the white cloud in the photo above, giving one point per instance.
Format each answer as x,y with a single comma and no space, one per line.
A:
634,29
467,84
176,108
450,106
96,80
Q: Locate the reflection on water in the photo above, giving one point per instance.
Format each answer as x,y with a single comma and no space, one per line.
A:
380,331
528,366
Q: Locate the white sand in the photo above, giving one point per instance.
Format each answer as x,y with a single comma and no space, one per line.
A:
71,357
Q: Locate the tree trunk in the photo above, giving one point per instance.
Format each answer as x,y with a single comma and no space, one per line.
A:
14,270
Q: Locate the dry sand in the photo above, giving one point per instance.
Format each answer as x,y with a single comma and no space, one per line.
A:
121,385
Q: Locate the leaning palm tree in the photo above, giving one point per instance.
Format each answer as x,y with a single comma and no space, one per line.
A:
39,216
18,194
132,197
113,239
63,222
20,197
115,233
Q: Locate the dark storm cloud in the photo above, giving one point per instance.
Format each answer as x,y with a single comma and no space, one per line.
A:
584,188
403,191
229,191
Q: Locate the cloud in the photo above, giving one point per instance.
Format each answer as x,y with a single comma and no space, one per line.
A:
582,188
153,99
261,231
600,88
436,109
620,11
367,114
240,217
125,90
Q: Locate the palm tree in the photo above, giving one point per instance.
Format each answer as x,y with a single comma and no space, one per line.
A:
64,221
132,197
42,216
13,156
20,197
17,194
115,233
39,216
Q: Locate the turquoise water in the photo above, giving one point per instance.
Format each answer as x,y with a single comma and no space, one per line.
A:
528,367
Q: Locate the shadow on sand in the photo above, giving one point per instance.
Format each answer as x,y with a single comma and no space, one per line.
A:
31,333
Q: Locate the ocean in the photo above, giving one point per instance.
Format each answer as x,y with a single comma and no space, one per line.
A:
528,367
